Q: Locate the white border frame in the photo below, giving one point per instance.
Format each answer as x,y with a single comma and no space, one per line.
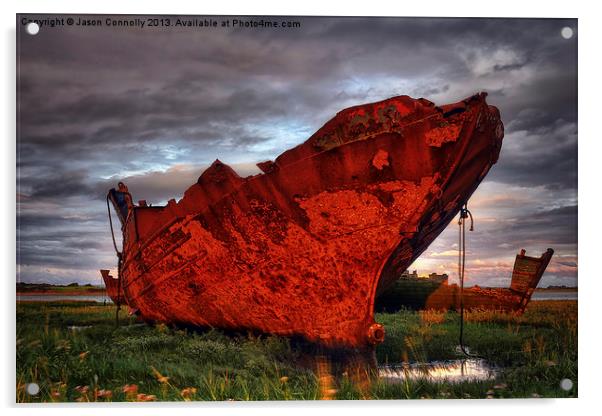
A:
589,155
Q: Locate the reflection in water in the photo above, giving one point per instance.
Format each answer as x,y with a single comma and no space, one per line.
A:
325,379
76,328
334,375
359,369
455,371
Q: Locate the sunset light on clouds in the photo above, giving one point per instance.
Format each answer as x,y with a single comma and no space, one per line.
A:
163,106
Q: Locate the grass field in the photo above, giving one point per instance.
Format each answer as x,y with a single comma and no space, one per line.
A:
95,361
45,288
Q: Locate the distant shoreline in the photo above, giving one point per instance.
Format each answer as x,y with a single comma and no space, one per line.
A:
86,291
54,292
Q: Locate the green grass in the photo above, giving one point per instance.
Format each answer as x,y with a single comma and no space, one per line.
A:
139,362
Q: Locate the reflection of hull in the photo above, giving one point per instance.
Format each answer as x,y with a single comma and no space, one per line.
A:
431,294
303,248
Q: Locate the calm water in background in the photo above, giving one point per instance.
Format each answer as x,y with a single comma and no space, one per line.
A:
54,298
564,295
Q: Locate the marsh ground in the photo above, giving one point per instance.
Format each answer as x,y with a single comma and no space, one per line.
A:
74,352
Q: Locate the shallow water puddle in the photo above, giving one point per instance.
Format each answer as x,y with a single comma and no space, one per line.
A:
76,328
453,371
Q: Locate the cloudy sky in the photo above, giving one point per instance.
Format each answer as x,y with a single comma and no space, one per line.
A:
155,106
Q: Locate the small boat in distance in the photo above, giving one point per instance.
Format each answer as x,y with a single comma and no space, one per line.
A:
112,287
303,248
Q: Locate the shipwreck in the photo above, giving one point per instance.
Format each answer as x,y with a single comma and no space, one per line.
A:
303,248
434,292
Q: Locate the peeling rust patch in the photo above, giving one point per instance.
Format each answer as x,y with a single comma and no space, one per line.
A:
443,134
380,160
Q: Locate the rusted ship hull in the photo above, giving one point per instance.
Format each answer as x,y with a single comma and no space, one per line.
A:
111,286
303,248
424,293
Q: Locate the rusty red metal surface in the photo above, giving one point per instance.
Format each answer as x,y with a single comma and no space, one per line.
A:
112,286
303,248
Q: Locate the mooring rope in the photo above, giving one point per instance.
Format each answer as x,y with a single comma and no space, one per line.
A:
119,263
111,225
464,214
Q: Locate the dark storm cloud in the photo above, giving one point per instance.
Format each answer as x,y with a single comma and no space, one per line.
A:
55,220
64,241
545,155
71,253
555,228
557,225
155,107
60,184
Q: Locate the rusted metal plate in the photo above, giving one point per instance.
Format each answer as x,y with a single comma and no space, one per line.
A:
525,271
112,286
303,248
